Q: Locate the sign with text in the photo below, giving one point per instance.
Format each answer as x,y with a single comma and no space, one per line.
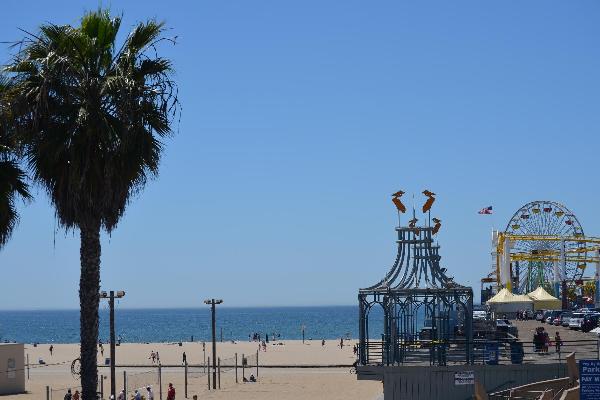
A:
464,378
589,379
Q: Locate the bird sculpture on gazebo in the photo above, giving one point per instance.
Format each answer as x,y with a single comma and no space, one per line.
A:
412,224
396,200
437,226
430,200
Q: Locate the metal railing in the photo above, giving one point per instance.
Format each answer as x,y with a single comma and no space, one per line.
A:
453,352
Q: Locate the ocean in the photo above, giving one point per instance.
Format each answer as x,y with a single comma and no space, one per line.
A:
173,325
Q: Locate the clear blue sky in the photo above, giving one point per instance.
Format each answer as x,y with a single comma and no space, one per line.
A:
300,118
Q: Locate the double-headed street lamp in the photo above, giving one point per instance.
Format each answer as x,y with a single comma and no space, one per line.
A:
111,304
213,303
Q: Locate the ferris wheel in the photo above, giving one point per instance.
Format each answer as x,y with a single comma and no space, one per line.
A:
550,219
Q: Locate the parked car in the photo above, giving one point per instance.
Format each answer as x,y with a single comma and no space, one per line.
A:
552,316
565,317
590,321
576,320
505,326
545,316
479,315
539,315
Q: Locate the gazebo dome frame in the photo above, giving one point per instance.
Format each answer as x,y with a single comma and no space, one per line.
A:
427,317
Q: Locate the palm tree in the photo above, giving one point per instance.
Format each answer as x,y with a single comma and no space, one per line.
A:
12,178
91,115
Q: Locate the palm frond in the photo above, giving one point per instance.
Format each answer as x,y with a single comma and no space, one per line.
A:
144,35
91,118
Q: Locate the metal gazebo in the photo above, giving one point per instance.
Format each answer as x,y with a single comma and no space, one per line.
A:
416,313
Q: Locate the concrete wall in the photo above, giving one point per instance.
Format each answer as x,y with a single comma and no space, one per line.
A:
428,383
12,368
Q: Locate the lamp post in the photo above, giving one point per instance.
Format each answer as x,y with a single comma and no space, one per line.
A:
111,304
213,303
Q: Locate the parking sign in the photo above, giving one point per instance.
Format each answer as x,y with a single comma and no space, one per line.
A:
589,379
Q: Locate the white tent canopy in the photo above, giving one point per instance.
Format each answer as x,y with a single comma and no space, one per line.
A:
506,302
542,300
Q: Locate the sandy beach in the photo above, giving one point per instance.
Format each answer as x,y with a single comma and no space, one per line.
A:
331,381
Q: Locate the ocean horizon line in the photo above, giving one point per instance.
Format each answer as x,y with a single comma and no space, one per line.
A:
222,306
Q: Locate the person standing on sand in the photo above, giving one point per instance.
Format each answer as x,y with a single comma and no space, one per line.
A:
137,396
171,392
68,395
322,342
52,348
121,395
341,343
184,358
76,395
157,358
152,356
150,393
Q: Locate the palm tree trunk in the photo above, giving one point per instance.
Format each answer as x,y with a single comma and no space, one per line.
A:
89,298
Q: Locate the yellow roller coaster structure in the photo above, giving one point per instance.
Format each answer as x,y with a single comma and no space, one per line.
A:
587,252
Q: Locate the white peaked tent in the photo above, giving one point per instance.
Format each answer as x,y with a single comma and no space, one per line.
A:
542,300
506,302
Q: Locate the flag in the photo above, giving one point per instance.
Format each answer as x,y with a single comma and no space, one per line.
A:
487,210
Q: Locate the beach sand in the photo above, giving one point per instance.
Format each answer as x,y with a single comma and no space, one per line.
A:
273,383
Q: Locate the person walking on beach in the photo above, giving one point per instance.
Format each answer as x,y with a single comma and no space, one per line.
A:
76,395
171,392
68,395
121,395
152,356
137,396
322,342
150,393
157,358
341,343
52,348
184,358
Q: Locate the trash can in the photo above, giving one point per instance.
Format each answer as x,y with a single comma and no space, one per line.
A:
516,353
490,353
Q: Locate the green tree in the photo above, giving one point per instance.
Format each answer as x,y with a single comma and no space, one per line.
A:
92,115
589,289
12,179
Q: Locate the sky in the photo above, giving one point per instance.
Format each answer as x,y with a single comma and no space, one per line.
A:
300,119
